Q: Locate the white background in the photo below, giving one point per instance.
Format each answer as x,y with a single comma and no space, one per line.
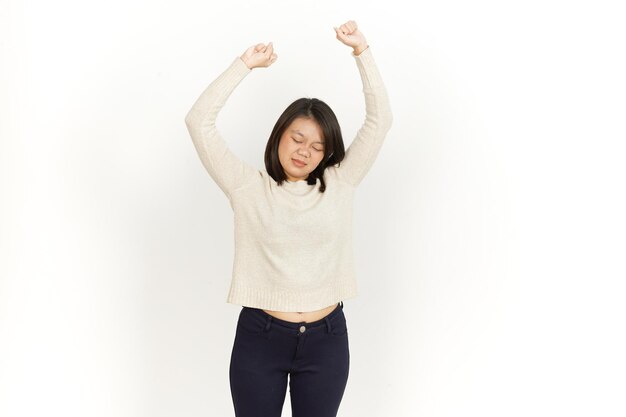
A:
489,234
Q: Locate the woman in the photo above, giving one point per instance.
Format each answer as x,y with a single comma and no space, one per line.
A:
293,263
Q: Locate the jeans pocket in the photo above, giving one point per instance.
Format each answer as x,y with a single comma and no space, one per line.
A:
339,326
250,323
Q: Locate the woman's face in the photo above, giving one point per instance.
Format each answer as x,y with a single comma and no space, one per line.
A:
303,140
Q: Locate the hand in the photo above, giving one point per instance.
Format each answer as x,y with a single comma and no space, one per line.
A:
259,55
349,34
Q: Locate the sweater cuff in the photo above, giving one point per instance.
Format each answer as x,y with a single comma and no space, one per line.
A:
367,68
240,67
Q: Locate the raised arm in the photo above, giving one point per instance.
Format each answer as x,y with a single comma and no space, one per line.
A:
364,149
226,169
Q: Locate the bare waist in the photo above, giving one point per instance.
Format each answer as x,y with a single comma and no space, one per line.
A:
305,316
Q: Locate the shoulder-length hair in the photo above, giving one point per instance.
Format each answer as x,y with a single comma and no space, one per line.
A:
320,112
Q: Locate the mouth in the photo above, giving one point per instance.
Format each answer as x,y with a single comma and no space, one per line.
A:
298,162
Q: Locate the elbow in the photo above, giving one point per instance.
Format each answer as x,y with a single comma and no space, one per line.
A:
388,115
191,118
192,124
188,119
388,122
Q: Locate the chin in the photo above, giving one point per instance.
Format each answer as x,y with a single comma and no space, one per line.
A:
300,176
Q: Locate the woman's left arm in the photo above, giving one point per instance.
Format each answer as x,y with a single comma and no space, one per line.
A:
365,147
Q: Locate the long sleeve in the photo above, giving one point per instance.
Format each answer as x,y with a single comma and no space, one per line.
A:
226,169
365,147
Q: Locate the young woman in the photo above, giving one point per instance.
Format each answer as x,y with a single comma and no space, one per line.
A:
293,263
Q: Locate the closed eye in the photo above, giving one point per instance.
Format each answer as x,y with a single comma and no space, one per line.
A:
319,150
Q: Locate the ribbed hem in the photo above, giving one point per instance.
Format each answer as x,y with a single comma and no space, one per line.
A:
232,76
367,68
291,300
242,68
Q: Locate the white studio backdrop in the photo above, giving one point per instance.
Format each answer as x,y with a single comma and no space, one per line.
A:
489,234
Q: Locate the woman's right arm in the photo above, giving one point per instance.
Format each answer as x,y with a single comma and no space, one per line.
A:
226,169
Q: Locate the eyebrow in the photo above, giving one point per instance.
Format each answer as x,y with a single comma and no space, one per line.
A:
300,133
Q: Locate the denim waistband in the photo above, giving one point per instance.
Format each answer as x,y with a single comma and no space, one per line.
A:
293,325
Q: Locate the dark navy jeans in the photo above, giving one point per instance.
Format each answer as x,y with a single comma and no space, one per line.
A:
266,350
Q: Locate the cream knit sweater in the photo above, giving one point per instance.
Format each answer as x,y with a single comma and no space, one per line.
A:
293,244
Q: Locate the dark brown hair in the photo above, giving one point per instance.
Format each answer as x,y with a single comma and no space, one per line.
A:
321,113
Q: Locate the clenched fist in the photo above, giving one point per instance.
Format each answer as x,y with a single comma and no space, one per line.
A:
259,55
349,34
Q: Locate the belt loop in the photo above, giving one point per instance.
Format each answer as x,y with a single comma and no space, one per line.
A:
269,322
328,326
